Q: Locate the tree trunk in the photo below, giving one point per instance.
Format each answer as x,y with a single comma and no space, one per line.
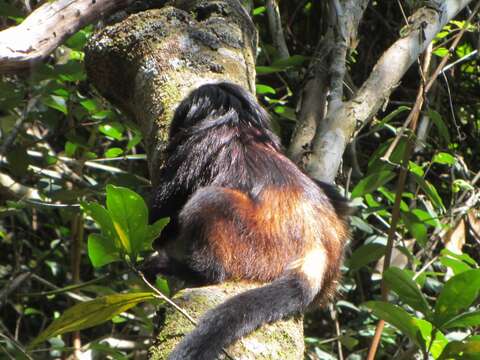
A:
145,64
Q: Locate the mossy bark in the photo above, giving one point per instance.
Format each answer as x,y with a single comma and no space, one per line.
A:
282,340
145,63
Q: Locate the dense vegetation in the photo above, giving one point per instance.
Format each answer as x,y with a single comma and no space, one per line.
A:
62,144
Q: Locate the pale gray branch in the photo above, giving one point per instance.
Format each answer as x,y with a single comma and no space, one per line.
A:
329,73
335,131
276,29
48,27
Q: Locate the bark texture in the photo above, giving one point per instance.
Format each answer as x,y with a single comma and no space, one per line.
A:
48,27
147,63
282,340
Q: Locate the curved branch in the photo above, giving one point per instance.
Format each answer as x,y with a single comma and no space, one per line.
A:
48,27
334,133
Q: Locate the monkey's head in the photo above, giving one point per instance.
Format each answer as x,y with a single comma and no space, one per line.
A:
217,104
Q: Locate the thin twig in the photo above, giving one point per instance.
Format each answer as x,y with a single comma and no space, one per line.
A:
400,187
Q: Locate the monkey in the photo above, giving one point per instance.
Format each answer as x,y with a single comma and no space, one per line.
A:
241,210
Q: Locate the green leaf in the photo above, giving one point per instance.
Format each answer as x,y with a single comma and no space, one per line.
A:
261,70
259,10
457,266
294,60
56,102
102,250
458,293
464,320
130,218
113,152
265,89
444,158
430,191
406,289
286,112
399,318
372,182
154,230
468,350
441,52
365,254
460,184
440,125
113,130
91,313
416,227
103,219
439,341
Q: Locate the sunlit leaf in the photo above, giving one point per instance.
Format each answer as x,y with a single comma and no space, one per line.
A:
458,294
406,289
91,313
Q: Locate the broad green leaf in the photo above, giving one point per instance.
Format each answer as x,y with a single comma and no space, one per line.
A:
365,254
265,89
113,129
399,318
130,217
456,265
113,152
91,313
458,293
441,51
57,102
466,350
372,182
439,341
463,257
406,289
464,320
89,104
259,10
444,158
102,250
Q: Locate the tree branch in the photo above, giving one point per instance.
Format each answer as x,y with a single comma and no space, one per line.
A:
329,72
276,29
47,27
334,133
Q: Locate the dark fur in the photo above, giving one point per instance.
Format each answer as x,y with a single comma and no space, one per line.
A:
241,210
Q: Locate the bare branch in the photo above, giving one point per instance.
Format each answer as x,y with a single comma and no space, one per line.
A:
18,190
48,27
329,72
334,133
276,29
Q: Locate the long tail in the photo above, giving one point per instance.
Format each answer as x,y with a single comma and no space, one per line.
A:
244,313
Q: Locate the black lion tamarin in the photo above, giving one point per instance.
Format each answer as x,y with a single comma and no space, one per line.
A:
241,210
